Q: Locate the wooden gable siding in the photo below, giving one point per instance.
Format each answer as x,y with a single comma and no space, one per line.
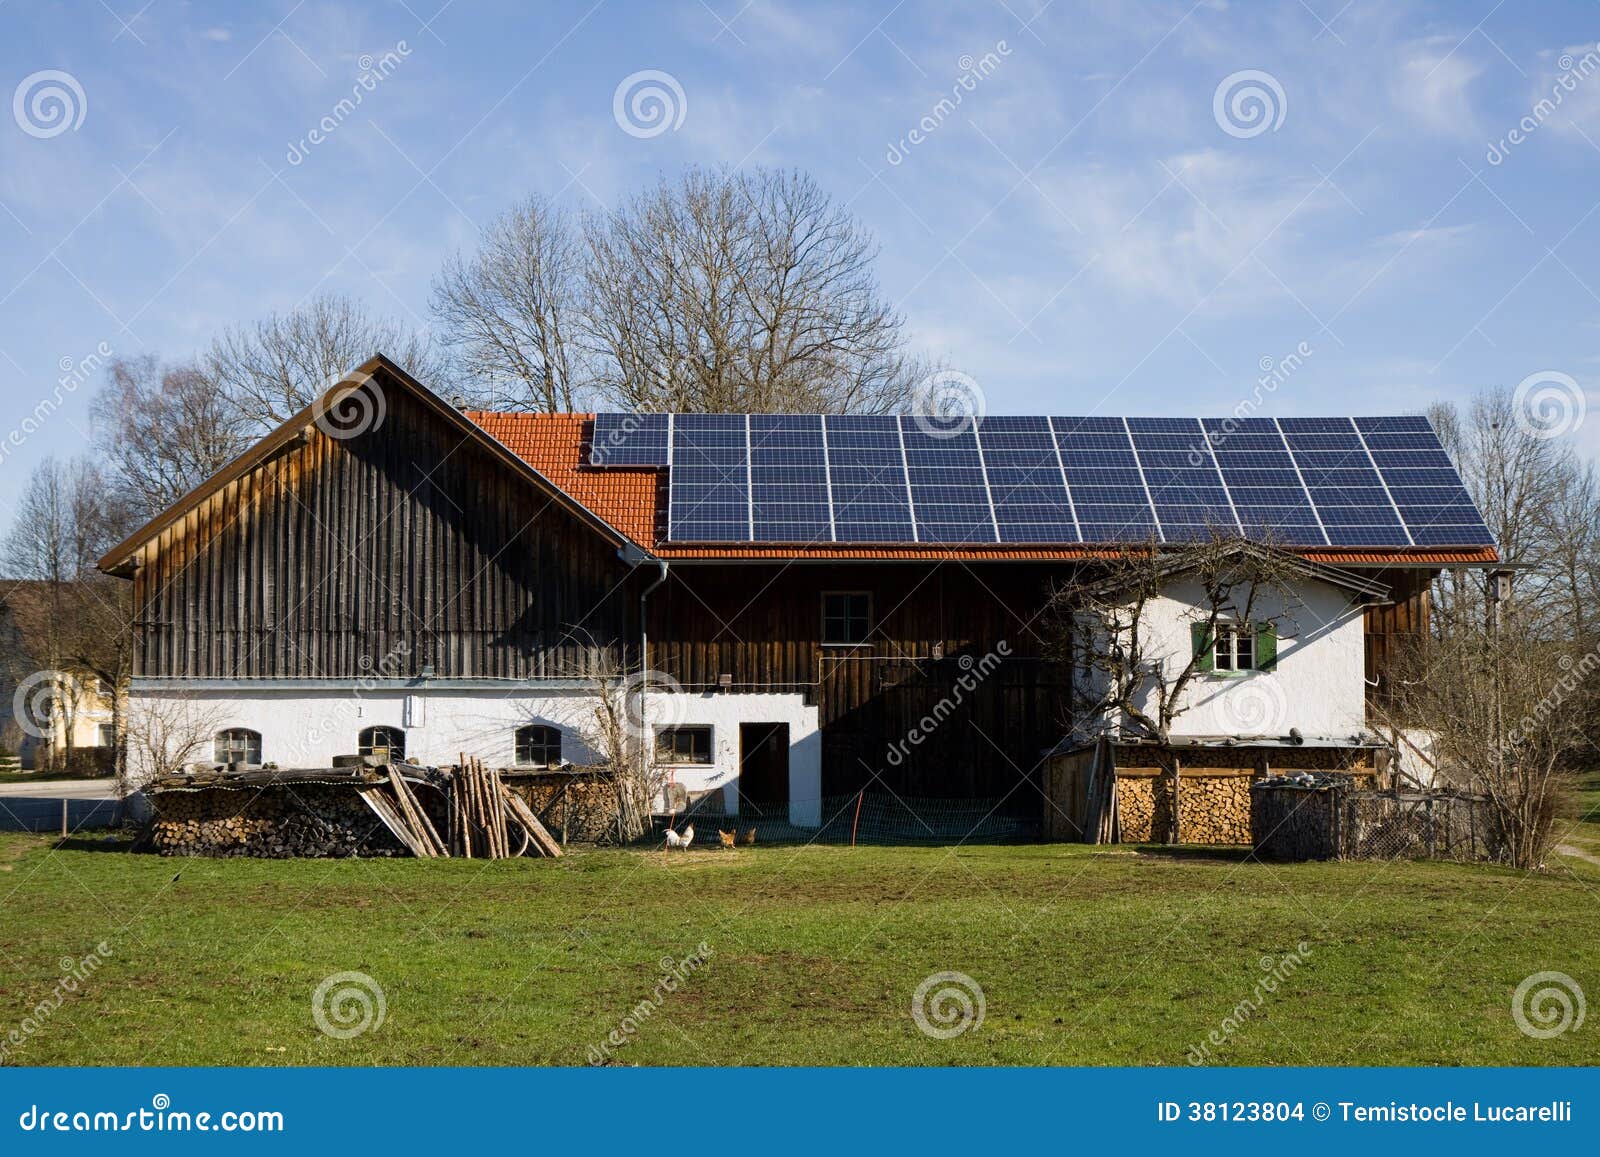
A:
374,555
1392,627
762,626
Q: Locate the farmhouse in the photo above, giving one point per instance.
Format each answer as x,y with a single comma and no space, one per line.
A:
805,607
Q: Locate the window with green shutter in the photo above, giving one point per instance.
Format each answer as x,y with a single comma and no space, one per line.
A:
1237,647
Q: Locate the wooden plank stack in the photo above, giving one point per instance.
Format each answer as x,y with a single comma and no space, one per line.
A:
488,821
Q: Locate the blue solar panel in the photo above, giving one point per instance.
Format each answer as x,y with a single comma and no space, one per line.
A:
804,479
1423,483
1269,497
949,492
709,486
1026,483
1345,488
789,479
629,440
1191,503
867,474
1103,476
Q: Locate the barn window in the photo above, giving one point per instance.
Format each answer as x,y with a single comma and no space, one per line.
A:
385,743
1236,647
238,745
846,618
538,746
683,745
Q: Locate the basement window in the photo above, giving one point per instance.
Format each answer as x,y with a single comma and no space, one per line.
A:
538,746
846,618
384,743
683,745
238,745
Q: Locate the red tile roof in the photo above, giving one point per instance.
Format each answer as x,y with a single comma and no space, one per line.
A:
631,500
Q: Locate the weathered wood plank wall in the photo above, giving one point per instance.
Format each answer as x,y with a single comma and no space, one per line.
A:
407,541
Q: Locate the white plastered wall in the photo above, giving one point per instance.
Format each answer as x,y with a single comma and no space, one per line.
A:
303,728
1317,686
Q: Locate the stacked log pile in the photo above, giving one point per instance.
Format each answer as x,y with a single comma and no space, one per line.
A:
1214,808
1139,800
577,804
278,822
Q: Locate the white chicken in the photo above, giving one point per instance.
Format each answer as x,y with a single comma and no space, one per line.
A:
674,840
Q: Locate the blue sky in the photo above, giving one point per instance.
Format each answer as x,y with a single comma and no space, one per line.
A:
1091,227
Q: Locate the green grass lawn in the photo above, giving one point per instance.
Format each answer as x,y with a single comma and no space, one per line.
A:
1084,956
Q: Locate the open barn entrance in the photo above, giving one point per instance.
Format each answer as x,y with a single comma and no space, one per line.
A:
764,770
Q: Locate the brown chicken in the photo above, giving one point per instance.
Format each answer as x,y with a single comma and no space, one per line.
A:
749,838
727,837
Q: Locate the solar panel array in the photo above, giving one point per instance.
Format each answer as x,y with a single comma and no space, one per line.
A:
801,479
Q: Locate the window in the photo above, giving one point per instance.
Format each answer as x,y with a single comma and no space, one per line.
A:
538,747
1237,647
237,745
385,743
846,618
683,745
108,735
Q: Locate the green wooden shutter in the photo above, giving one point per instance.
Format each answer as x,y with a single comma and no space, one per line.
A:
1266,647
1200,635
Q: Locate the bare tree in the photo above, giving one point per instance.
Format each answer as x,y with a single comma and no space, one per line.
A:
1507,712
716,291
164,429
167,734
72,624
513,310
1106,623
274,368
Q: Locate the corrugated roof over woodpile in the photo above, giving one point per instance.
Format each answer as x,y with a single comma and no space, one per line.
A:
632,501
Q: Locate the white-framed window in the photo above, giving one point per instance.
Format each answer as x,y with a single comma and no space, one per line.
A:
237,745
846,618
538,746
684,745
1235,647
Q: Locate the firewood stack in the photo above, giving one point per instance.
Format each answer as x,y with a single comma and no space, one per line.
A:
314,820
1214,809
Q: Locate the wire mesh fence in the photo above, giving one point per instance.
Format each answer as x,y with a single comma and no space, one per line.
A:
863,818
1326,818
